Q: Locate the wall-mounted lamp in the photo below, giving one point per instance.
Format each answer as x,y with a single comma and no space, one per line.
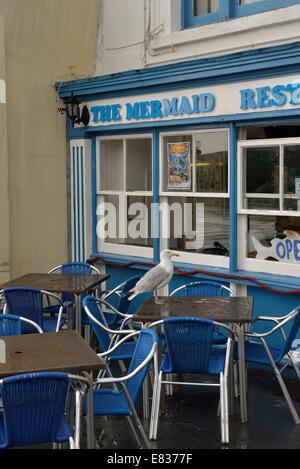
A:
72,111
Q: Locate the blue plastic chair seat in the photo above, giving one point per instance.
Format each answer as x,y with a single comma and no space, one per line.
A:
216,364
49,324
255,353
124,352
110,402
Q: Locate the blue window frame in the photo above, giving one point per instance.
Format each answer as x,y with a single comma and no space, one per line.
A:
199,13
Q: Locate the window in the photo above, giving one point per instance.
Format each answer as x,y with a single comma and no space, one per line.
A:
195,192
124,195
269,204
200,12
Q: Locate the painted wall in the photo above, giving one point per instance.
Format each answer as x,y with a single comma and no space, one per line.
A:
46,41
139,33
4,205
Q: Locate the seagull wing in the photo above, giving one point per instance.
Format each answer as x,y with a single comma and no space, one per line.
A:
152,279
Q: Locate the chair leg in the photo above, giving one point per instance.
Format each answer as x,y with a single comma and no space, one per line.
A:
141,429
157,406
287,396
87,334
226,413
134,432
222,408
72,444
154,401
236,380
146,406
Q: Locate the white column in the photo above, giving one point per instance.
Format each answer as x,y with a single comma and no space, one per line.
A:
81,199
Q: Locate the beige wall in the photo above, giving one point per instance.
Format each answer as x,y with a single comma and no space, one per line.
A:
46,41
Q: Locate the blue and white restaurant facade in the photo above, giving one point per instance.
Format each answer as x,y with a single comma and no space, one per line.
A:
233,124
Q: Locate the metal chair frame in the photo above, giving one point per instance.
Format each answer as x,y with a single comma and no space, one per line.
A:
280,323
20,318
80,392
223,385
122,382
222,287
47,295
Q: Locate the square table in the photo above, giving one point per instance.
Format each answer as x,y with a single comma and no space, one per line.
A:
77,285
54,352
234,310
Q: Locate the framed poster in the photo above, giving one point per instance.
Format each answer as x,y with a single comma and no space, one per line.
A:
179,166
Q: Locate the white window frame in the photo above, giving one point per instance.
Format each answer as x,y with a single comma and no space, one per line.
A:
122,249
244,263
186,257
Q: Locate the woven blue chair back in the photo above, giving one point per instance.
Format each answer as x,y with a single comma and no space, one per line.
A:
10,325
33,406
103,337
189,343
205,289
146,340
27,303
292,335
74,268
124,302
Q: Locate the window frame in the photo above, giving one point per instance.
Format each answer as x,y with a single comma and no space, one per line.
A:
228,9
122,249
187,257
257,265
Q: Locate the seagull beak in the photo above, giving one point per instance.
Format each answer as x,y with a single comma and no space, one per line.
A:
175,254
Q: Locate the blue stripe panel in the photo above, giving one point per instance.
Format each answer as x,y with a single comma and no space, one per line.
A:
250,64
94,195
233,199
156,196
82,205
74,204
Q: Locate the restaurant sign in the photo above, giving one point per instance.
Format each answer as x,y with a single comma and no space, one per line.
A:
219,100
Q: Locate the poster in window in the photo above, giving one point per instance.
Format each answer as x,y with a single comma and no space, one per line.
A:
179,166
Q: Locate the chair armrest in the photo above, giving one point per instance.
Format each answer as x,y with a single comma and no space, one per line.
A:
128,335
112,308
278,327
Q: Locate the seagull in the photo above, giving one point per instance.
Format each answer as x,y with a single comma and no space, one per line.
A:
156,278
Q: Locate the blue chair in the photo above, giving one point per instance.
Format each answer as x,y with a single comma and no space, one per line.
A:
206,289
28,303
122,402
72,268
106,337
34,410
258,351
190,350
115,314
11,325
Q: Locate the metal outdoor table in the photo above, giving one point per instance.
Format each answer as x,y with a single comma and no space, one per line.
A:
54,352
76,285
234,310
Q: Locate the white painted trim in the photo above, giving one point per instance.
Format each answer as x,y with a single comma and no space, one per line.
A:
128,250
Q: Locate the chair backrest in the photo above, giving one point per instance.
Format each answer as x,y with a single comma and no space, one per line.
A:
27,303
103,337
189,344
295,325
33,406
204,289
124,302
146,340
10,325
74,268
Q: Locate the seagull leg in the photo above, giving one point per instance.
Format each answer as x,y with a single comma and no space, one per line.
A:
156,296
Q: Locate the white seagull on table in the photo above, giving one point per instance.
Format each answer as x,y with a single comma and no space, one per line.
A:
158,277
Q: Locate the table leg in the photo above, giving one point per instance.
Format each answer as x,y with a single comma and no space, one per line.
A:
90,413
242,374
78,313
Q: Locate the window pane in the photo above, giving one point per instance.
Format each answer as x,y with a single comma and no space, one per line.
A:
205,7
177,163
139,165
199,225
212,162
128,220
262,170
111,165
292,177
274,239
261,204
